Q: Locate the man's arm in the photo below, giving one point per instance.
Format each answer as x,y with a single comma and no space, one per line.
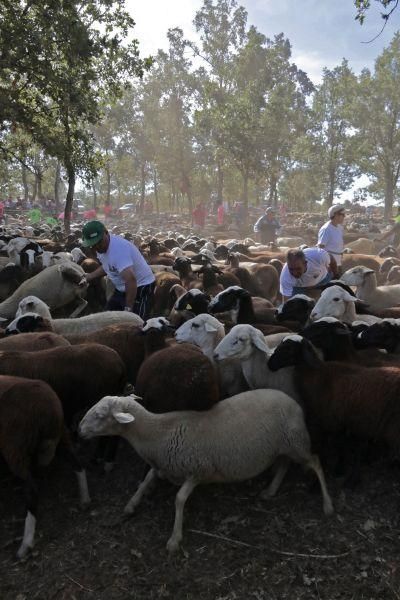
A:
130,287
100,272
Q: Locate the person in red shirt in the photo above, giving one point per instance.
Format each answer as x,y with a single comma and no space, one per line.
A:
199,216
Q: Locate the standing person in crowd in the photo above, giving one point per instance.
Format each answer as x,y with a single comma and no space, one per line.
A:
305,270
2,209
199,216
267,226
330,236
394,232
122,262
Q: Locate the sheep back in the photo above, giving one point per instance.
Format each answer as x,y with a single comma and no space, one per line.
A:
31,342
177,378
80,375
31,423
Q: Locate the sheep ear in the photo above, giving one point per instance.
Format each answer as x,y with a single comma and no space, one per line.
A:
348,297
208,327
259,342
123,418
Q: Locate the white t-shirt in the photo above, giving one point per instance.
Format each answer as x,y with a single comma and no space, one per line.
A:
120,255
331,236
318,261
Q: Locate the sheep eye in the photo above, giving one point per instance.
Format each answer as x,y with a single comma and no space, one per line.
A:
336,299
195,325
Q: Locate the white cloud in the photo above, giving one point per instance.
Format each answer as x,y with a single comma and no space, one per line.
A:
312,63
154,17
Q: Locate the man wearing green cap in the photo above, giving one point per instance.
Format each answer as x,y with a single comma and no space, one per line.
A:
122,262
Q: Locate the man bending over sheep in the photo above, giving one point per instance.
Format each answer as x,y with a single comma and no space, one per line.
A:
122,262
305,270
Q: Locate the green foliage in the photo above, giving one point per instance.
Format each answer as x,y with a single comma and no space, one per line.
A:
362,6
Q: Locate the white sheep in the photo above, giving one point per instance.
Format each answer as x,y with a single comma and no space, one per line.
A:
57,286
86,324
337,302
246,343
364,279
204,331
236,440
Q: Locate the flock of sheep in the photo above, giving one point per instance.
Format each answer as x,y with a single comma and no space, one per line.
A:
226,381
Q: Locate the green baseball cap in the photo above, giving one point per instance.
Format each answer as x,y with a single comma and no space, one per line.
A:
92,233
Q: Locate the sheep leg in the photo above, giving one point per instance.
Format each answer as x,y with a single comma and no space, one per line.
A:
143,489
28,540
314,464
66,450
283,465
81,306
180,501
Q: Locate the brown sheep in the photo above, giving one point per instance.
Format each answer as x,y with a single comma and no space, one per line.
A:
80,375
177,378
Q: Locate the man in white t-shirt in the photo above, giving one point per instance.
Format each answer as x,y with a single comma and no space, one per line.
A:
330,236
122,262
304,270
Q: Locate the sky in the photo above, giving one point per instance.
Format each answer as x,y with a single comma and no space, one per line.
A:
322,32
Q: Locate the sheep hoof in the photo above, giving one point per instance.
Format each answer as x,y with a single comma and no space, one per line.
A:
173,545
267,494
23,551
129,510
328,509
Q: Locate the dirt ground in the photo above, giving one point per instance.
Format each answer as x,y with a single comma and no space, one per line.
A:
236,546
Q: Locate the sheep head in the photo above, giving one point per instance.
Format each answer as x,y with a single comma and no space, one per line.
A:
334,302
109,416
294,350
200,331
356,275
33,304
241,342
27,323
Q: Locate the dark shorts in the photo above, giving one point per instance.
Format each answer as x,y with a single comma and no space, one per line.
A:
143,303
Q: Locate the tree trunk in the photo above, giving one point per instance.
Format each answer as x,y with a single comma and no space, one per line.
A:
108,179
35,190
331,191
246,189
25,182
94,195
142,187
220,183
39,186
70,198
389,194
155,187
57,187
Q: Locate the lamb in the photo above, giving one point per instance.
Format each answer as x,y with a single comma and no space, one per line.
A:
80,375
246,343
337,302
56,286
86,324
189,304
297,308
377,298
191,448
31,428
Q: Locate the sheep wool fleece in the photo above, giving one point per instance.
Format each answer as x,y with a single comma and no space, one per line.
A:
121,255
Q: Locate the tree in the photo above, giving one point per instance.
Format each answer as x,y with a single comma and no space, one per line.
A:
329,146
362,7
71,55
377,117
